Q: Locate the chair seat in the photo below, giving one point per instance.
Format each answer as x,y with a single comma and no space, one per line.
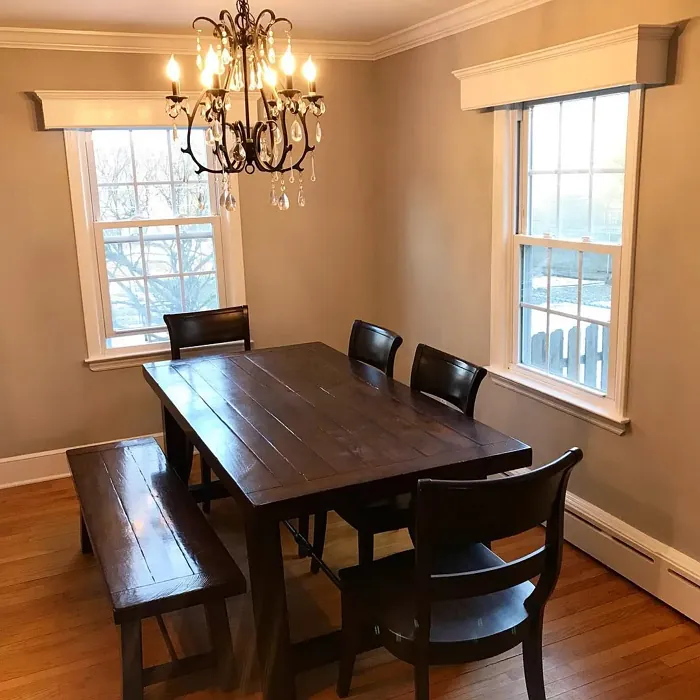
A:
386,515
386,587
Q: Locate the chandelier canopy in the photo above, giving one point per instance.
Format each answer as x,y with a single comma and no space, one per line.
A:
241,58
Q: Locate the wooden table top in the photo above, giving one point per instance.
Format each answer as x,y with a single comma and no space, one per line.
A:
301,428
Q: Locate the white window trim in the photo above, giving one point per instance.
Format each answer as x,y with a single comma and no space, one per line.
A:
98,356
609,412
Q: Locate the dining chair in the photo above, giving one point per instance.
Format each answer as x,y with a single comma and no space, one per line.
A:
202,328
449,379
451,601
375,346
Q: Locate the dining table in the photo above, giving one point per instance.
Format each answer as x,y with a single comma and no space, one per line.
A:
302,429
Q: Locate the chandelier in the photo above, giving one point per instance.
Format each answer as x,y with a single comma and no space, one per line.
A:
241,58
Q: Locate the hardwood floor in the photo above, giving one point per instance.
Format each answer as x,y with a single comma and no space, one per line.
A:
604,638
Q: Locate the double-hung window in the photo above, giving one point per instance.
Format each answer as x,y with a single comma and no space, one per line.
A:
566,314
151,238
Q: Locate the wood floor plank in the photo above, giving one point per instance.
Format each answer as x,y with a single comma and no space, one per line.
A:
604,638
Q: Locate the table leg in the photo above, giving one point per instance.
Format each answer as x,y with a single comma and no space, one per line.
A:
270,608
178,449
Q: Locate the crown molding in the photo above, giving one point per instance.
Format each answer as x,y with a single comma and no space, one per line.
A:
470,15
181,44
632,56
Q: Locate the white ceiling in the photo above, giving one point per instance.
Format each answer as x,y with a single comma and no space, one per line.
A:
351,20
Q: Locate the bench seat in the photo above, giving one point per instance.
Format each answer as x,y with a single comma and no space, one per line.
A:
156,550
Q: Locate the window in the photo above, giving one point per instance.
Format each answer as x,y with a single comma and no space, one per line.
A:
569,250
151,239
155,233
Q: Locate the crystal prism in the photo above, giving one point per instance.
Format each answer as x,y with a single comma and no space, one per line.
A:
209,136
313,168
319,132
200,62
231,202
222,199
175,133
217,131
301,199
297,133
283,202
278,134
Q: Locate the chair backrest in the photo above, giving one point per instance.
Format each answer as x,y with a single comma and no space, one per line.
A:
200,328
374,346
453,514
447,377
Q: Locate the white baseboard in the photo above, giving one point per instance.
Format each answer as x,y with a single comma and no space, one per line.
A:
659,569
41,466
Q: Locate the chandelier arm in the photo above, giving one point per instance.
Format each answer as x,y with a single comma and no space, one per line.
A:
308,148
202,18
199,168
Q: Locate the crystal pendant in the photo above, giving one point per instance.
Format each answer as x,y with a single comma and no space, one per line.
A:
271,56
231,202
240,151
278,134
291,177
200,62
217,131
200,202
175,133
222,199
283,202
297,133
274,201
209,137
301,199
226,56
313,168
319,132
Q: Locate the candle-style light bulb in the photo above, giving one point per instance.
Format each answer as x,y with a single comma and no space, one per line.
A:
173,72
210,74
310,72
270,77
289,65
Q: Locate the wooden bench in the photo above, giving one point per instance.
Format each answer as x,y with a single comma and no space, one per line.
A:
157,553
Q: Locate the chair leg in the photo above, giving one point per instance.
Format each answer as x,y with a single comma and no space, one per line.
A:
206,480
222,646
320,523
532,660
303,527
421,680
365,547
350,642
85,544
132,661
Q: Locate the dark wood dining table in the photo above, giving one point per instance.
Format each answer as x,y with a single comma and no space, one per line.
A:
296,430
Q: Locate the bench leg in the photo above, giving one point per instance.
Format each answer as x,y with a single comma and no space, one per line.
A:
85,544
132,661
206,480
222,646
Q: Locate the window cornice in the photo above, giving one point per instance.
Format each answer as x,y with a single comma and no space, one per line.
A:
634,56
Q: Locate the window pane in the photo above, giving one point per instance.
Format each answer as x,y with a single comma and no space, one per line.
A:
117,203
151,155
576,134
574,206
183,165
198,255
162,257
112,151
543,206
562,342
545,136
201,293
596,289
594,345
128,302
608,200
159,232
533,326
192,200
189,230
165,297
564,281
535,269
123,260
155,201
610,141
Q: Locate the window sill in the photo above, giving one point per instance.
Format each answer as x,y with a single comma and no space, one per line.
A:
560,399
138,358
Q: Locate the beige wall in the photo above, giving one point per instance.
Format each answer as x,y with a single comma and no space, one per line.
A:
307,272
435,238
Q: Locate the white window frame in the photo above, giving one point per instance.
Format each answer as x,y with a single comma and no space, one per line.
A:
605,410
229,257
